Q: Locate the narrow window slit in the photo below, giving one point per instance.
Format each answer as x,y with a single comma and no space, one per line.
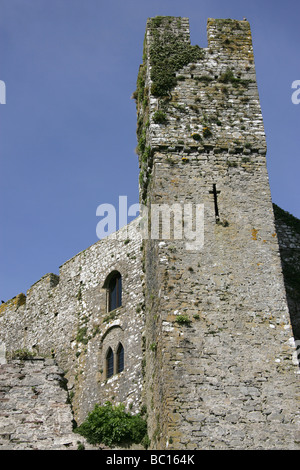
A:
215,193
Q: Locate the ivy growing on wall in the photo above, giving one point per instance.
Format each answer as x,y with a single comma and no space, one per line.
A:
168,53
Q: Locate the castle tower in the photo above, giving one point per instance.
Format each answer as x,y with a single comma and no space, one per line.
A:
219,348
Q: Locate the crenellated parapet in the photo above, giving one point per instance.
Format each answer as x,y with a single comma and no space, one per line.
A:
68,318
192,99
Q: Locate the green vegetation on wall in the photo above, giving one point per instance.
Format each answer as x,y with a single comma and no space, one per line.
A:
113,426
169,52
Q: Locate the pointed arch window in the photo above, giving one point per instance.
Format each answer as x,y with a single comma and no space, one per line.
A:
109,363
120,358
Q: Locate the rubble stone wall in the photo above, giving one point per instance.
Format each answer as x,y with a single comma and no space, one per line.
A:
219,354
66,317
208,343
35,413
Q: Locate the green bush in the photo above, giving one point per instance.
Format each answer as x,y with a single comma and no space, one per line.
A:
113,426
22,354
183,320
206,132
159,117
228,77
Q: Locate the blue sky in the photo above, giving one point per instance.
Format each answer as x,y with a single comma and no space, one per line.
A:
67,130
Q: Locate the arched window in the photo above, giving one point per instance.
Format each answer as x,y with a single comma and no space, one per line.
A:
120,358
109,363
114,287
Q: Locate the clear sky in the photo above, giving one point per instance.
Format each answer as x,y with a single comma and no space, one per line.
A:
67,130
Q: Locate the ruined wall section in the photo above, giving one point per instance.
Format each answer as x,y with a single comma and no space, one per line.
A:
34,409
66,317
219,368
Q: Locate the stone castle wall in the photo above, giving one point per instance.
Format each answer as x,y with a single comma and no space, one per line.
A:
206,332
221,374
66,317
34,412
288,232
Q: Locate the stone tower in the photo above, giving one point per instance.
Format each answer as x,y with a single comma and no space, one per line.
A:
219,362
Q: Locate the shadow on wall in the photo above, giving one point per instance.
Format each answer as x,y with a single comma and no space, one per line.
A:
288,233
2,354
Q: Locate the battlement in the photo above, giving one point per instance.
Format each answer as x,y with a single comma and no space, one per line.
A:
230,37
192,99
177,25
223,35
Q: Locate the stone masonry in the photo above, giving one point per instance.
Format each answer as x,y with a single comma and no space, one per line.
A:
223,376
209,349
66,317
288,232
35,413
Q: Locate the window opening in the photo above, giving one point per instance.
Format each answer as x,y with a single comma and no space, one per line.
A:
215,193
120,358
109,363
115,292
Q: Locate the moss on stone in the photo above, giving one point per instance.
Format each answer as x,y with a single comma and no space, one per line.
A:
169,52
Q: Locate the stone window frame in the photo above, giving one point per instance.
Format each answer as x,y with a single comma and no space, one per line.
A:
120,358
115,274
112,339
114,360
109,363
